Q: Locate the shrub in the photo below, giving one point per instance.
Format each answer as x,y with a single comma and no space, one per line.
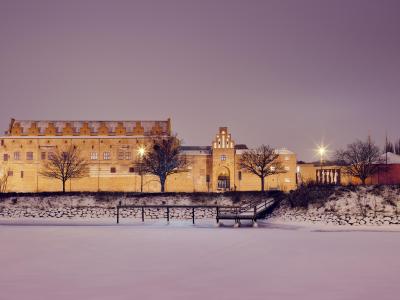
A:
310,193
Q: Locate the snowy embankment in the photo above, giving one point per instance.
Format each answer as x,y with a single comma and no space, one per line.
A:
356,206
103,206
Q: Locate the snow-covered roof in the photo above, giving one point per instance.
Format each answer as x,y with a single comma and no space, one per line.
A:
391,158
281,151
196,150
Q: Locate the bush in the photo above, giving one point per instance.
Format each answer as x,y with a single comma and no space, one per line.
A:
310,193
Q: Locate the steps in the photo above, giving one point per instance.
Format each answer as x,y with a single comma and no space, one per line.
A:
251,211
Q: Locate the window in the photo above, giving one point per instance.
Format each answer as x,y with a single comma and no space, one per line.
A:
131,170
223,157
2,142
93,155
106,155
113,170
120,155
16,156
43,155
128,155
5,157
207,178
29,155
10,173
240,175
22,174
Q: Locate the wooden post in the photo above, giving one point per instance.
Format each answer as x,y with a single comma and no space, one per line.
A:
217,214
142,213
193,215
117,214
255,213
167,213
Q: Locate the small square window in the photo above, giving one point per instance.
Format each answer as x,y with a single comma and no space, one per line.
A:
5,157
131,170
43,155
29,155
113,170
223,157
10,173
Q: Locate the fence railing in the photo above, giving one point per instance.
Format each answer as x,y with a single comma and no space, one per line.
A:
247,211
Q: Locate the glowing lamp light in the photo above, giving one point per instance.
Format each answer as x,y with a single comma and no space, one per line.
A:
321,150
141,151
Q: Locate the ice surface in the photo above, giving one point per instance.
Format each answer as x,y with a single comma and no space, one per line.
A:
181,261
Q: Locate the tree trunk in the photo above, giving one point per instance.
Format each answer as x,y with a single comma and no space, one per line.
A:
63,184
162,182
262,184
363,181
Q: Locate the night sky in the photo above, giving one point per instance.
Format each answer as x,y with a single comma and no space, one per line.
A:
285,73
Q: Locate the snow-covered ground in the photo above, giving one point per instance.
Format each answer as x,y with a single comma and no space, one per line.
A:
78,260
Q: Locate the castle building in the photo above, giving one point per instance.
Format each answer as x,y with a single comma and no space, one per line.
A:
112,149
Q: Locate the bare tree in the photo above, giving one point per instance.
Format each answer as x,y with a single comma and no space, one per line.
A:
397,147
389,147
65,164
3,181
262,161
360,159
164,159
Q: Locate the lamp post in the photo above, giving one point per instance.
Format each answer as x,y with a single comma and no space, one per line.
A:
141,152
321,151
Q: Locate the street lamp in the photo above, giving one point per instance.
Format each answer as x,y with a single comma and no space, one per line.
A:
141,152
321,151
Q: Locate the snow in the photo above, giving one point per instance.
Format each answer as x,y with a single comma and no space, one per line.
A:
180,261
391,158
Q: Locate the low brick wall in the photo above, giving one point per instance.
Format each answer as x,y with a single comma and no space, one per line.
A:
302,216
99,212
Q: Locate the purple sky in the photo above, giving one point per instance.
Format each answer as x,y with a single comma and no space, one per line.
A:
284,73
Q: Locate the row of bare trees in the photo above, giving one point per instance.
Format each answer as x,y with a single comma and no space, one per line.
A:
165,158
360,159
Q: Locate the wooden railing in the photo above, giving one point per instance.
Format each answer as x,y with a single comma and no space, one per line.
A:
250,210
167,209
